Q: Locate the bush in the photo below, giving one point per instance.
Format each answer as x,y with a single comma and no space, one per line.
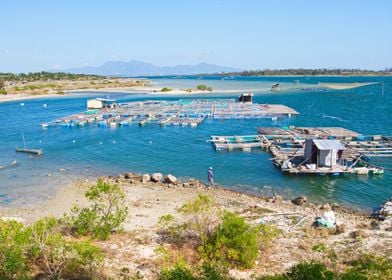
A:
310,271
369,267
178,272
3,92
14,262
42,249
234,243
106,213
201,87
165,89
202,217
58,257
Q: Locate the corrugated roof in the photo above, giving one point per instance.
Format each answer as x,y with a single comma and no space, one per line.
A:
322,144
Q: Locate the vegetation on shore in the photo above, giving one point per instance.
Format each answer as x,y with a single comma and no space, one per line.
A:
212,235
311,72
56,83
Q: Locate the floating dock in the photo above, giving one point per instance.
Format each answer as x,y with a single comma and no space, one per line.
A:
314,150
176,113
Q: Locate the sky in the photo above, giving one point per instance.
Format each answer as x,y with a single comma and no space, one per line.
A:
248,34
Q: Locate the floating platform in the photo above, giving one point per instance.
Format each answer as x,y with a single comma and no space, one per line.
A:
177,113
314,150
244,142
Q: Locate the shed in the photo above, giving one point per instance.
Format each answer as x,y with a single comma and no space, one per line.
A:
98,103
246,97
323,153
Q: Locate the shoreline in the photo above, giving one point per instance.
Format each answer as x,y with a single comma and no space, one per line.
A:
72,192
147,201
155,91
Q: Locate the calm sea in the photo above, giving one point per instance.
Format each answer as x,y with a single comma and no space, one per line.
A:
184,152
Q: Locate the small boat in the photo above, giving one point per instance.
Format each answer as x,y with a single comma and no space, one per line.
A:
13,163
36,152
26,150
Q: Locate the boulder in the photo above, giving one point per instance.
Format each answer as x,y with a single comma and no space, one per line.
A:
170,179
128,175
146,178
300,200
326,207
156,177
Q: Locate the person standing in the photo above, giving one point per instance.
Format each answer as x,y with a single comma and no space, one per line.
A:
210,176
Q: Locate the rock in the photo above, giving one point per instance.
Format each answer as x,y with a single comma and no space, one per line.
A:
359,234
146,178
62,169
335,206
128,175
170,179
194,183
300,200
277,199
156,177
325,206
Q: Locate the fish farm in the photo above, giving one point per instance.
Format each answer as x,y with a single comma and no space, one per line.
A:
314,150
107,113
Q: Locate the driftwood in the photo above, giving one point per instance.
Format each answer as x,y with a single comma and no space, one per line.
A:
299,222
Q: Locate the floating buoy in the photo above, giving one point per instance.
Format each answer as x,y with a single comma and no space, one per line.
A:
114,141
150,142
45,105
100,142
40,141
21,104
73,141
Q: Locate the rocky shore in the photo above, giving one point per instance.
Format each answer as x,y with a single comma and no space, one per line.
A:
150,196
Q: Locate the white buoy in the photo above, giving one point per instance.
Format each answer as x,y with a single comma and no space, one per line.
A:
21,104
40,141
100,142
73,141
114,141
150,142
45,105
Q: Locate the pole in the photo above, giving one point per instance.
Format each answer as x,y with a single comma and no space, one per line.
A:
24,142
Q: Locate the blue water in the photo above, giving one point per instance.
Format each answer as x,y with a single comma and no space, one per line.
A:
184,152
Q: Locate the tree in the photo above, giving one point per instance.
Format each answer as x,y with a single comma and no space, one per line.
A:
106,213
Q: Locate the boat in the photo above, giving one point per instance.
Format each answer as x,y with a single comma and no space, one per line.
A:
14,162
26,150
36,152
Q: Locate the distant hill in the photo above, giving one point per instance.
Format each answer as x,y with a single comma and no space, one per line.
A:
140,68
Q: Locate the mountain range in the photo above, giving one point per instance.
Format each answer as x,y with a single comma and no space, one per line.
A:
139,68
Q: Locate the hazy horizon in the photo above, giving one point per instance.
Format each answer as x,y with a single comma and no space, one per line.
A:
45,35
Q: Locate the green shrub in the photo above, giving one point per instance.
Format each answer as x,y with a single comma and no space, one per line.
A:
234,243
369,267
58,257
165,89
14,262
202,216
3,92
310,271
210,271
209,88
201,87
106,213
178,272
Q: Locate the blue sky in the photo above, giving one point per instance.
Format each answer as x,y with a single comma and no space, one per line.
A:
39,35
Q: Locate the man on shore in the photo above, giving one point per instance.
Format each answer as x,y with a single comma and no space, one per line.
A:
210,176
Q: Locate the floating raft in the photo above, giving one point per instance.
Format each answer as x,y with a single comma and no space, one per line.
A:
176,113
331,150
244,142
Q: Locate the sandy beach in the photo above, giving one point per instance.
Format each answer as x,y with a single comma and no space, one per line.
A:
147,201
342,86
